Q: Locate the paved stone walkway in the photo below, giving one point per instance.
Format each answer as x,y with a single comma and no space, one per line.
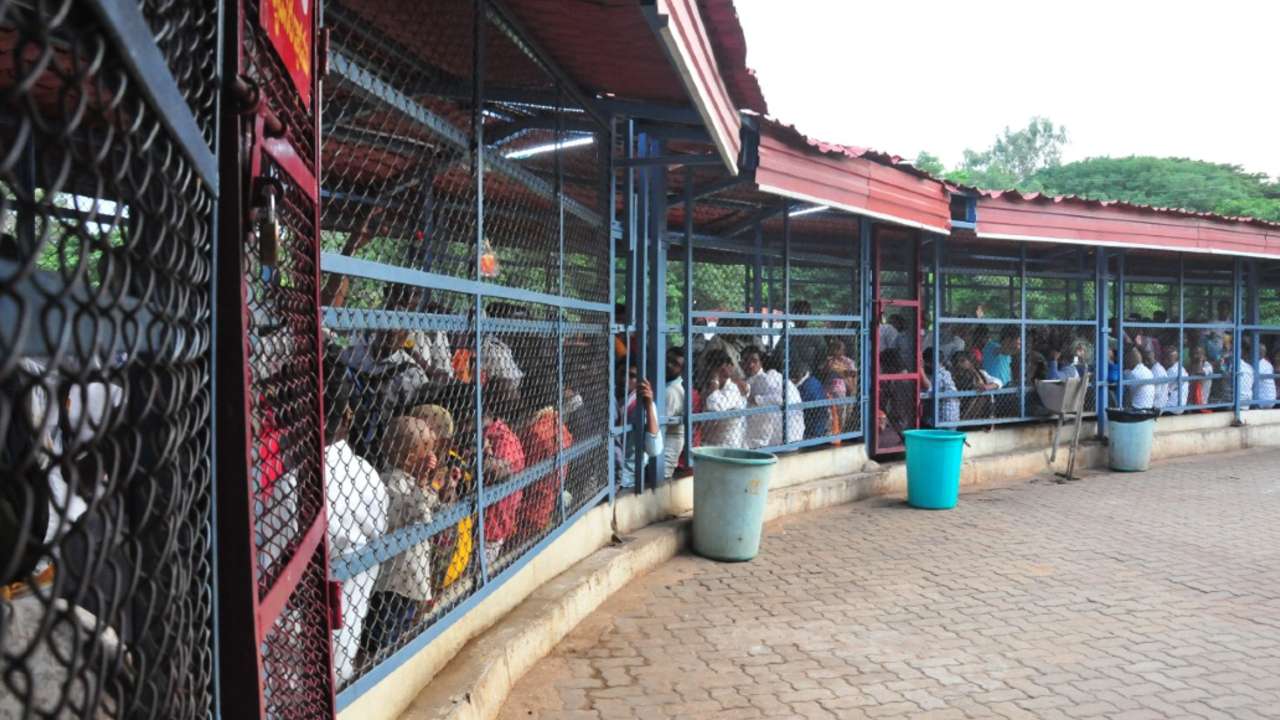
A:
1152,595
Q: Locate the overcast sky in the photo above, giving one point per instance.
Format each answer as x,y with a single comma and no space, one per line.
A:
1184,78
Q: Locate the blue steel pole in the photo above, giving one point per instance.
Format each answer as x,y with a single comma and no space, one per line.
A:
757,270
656,319
1254,320
1120,348
561,472
1022,330
937,323
477,150
1100,288
1183,350
786,315
607,159
688,314
864,332
640,301
1236,310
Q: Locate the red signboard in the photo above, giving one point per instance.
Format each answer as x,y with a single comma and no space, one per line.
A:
288,24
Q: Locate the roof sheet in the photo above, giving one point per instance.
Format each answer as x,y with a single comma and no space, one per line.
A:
1032,216
855,179
1080,201
730,44
606,46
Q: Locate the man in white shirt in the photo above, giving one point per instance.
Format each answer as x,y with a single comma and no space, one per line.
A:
765,391
768,388
1266,385
722,392
1141,396
675,401
1158,373
357,504
1244,381
1178,391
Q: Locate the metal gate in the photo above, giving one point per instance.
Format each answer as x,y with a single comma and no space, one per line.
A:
895,337
108,181
273,554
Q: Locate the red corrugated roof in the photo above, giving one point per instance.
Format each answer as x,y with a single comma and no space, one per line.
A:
730,45
856,179
1032,216
606,46
1019,196
790,132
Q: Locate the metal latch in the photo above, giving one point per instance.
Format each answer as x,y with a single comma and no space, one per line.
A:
267,226
335,603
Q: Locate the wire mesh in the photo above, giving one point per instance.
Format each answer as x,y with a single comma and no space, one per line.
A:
466,314
279,276
1261,348
767,374
1012,315
1180,316
105,336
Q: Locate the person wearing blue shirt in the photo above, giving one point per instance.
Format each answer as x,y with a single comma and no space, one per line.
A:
1074,366
997,357
817,420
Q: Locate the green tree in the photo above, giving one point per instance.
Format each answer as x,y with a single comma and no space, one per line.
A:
1014,158
930,163
1167,182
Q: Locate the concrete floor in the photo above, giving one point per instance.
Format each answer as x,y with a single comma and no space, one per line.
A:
1150,595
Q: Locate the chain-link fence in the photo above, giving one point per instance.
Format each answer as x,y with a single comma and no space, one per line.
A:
776,318
466,293
276,154
1011,315
107,115
1195,335
1260,350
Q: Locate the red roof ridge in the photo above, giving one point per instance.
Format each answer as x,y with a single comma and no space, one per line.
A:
729,43
796,136
1021,196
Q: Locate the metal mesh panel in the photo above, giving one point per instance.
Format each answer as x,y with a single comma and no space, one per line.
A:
105,270
766,375
466,315
1261,349
284,380
1011,315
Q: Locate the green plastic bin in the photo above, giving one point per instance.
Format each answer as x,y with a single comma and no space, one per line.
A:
933,468
730,490
1129,437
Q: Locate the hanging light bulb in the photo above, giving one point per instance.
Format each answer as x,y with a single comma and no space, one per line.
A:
488,261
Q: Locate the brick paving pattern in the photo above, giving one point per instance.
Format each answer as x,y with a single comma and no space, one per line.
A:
1151,595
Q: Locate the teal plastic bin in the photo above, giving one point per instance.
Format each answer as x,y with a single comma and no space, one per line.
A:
730,488
933,468
1129,437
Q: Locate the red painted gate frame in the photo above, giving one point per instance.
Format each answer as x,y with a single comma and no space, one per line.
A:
880,235
245,616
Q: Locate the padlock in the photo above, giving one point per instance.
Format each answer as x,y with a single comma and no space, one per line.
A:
269,233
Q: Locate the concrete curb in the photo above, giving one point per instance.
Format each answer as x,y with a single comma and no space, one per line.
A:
476,683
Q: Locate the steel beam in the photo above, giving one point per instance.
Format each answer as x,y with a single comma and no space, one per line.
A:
707,190
372,86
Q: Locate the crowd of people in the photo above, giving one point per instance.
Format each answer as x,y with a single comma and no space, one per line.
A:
1149,363
401,434
402,422
1160,374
